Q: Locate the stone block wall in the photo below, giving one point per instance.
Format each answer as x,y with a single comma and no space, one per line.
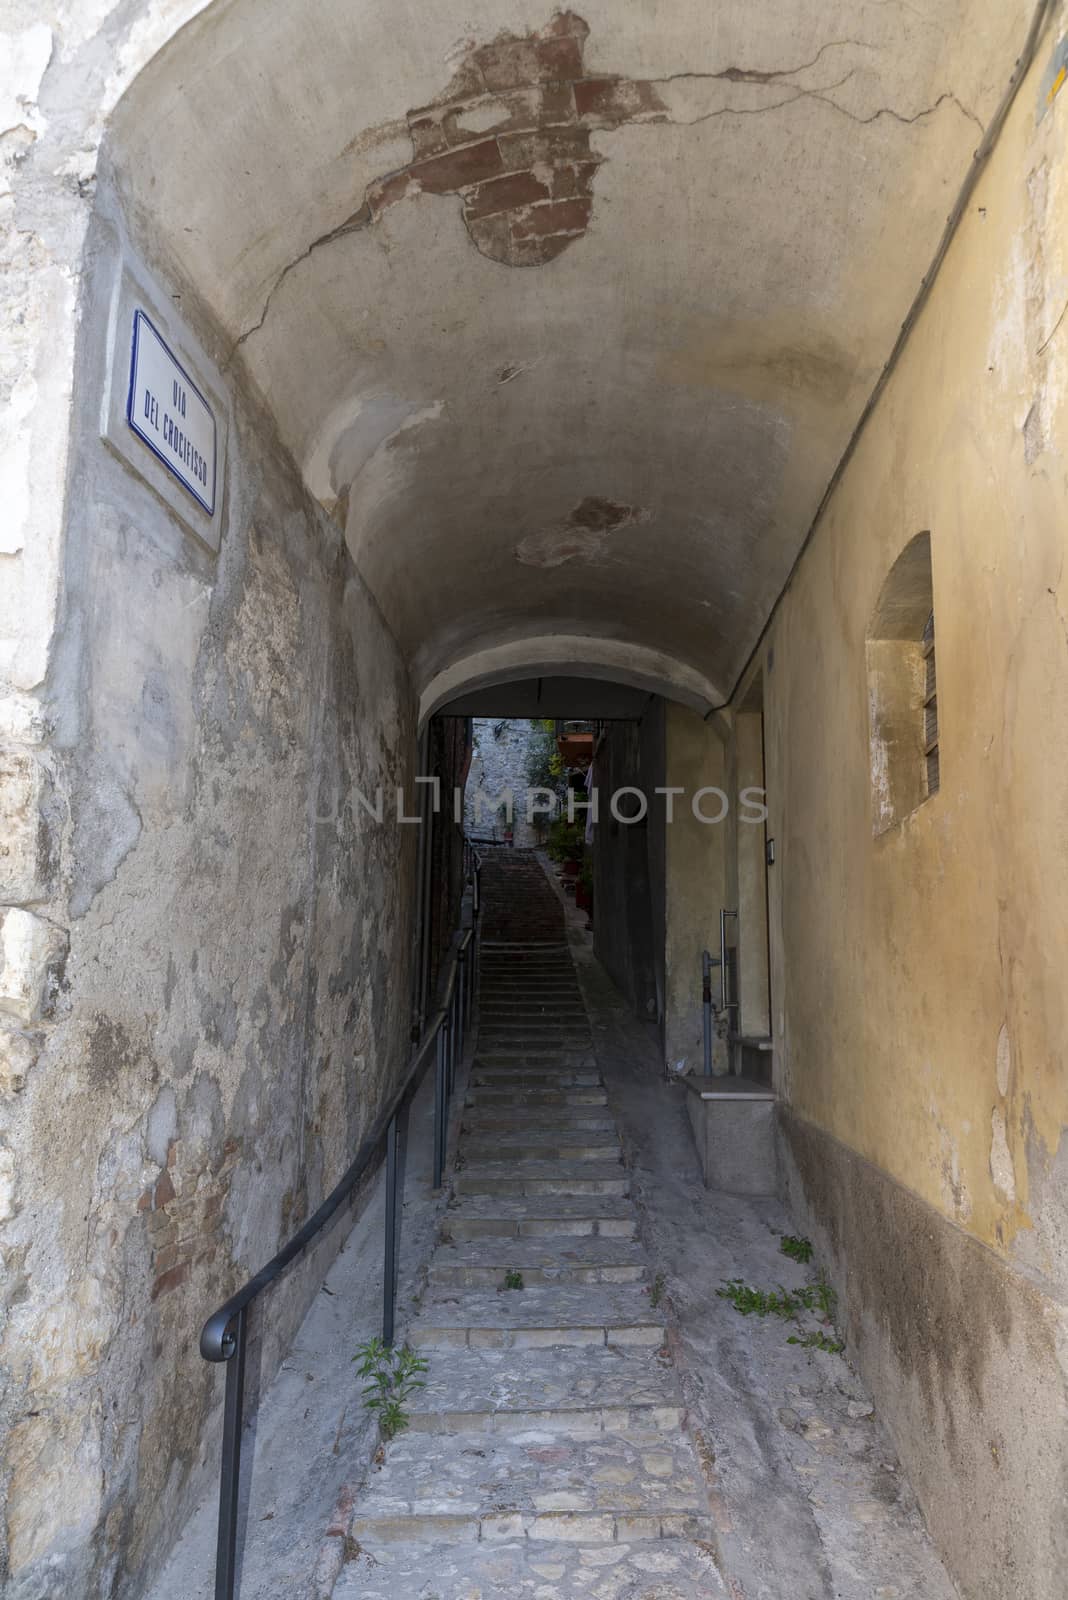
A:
499,761
204,981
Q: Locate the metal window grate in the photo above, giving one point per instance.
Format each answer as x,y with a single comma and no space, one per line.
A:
930,707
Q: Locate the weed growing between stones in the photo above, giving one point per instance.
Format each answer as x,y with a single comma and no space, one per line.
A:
513,1279
656,1291
818,1341
798,1249
394,1374
818,1297
759,1302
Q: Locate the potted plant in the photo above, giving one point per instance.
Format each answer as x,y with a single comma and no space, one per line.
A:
584,887
566,844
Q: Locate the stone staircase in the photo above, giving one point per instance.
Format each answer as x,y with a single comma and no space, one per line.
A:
546,1455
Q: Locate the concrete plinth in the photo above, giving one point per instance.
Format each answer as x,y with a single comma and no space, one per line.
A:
733,1122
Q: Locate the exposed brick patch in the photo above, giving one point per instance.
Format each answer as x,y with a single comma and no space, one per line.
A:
458,169
511,137
606,102
559,216
504,194
183,1211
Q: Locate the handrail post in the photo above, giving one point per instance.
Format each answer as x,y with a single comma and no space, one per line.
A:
706,1008
230,1469
389,1264
439,1109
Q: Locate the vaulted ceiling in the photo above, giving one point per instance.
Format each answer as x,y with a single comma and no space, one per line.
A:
567,316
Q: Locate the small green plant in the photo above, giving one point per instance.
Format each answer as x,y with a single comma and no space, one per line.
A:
819,1297
799,1249
393,1372
817,1341
759,1302
656,1290
513,1279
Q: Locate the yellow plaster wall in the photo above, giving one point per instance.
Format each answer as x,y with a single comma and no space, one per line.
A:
920,978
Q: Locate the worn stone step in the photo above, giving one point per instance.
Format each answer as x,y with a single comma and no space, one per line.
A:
533,1077
542,1177
480,1216
500,1065
502,1055
556,1145
486,1263
488,1095
541,1316
533,1041
543,994
584,1391
521,1120
512,1004
529,1015
518,953
542,999
522,976
522,973
538,1484
527,977
546,939
518,1569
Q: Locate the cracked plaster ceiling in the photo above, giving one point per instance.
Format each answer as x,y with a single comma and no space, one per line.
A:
568,317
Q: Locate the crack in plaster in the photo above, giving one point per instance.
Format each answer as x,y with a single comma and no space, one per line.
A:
523,168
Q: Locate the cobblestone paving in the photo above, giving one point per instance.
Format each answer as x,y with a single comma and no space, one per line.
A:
546,1456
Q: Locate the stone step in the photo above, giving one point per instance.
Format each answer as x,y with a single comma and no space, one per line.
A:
529,971
521,1120
515,1569
547,997
538,1484
587,1391
534,1077
511,1004
489,1095
541,1316
556,1145
532,1040
481,1216
512,946
501,1064
542,1177
542,994
485,1263
519,966
503,1058
529,1015
526,976
518,952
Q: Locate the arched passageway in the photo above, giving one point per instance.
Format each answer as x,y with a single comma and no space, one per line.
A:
367,364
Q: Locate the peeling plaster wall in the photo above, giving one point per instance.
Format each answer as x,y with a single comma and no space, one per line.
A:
921,1012
206,991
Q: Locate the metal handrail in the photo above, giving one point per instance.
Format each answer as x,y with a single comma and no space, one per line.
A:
224,1336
